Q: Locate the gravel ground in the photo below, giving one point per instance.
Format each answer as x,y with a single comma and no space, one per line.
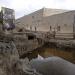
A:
53,66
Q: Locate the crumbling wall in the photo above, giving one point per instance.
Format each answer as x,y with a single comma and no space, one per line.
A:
10,64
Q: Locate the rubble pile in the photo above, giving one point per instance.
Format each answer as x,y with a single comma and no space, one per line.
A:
8,57
10,64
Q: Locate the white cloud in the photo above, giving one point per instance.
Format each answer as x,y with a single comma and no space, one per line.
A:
22,7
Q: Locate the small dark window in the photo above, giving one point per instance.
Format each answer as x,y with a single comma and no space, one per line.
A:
50,27
33,17
58,28
20,30
35,28
30,37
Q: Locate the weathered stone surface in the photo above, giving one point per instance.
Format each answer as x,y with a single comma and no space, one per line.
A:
24,67
53,66
8,57
10,64
2,72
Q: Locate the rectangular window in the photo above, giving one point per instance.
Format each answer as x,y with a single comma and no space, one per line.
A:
32,17
58,28
50,27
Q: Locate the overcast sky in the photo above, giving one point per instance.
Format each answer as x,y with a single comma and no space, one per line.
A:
24,7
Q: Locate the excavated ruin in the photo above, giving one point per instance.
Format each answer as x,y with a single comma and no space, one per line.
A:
10,64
